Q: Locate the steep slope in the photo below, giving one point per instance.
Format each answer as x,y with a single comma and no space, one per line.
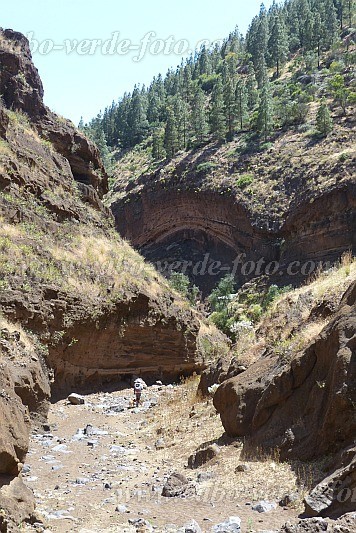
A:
93,310
298,204
298,398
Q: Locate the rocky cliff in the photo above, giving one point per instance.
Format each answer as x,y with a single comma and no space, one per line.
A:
93,310
300,401
292,202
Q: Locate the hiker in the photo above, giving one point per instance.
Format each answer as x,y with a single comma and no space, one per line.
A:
138,388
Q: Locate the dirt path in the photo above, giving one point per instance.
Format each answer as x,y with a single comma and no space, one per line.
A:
99,466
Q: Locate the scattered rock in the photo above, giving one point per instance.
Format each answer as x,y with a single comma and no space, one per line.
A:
191,527
121,509
204,455
289,499
82,480
160,444
242,468
76,399
62,448
264,507
88,430
175,486
311,525
204,476
231,525
141,525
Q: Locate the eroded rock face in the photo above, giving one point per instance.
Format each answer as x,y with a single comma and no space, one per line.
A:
335,495
305,406
176,227
198,230
16,501
152,338
141,336
22,91
24,398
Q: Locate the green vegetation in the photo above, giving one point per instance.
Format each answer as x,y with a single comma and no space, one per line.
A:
235,314
244,180
324,121
205,168
238,85
180,282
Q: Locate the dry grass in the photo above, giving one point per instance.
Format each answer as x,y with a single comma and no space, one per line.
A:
4,147
81,260
185,422
13,327
333,282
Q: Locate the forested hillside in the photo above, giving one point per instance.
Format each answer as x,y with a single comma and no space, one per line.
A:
260,82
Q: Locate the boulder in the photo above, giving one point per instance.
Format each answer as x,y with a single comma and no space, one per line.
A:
76,399
176,485
303,406
191,527
336,494
264,507
217,373
202,456
17,503
231,525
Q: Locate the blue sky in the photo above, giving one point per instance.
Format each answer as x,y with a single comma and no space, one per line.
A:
92,65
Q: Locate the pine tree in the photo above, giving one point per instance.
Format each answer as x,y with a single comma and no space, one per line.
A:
230,107
158,151
241,102
278,43
121,121
94,131
265,120
330,23
200,125
187,82
257,38
182,114
324,121
261,72
170,135
350,11
217,115
318,35
137,119
290,10
204,61
153,109
251,87
340,92
305,25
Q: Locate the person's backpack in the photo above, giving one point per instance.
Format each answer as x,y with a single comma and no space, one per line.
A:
138,386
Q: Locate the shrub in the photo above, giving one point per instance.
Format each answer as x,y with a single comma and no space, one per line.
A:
181,283
204,168
244,180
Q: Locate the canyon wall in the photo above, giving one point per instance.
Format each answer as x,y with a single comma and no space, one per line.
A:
179,227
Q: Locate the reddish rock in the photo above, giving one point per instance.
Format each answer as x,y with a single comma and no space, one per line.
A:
304,407
22,91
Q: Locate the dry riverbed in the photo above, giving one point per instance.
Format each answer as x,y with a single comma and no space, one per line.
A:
102,467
